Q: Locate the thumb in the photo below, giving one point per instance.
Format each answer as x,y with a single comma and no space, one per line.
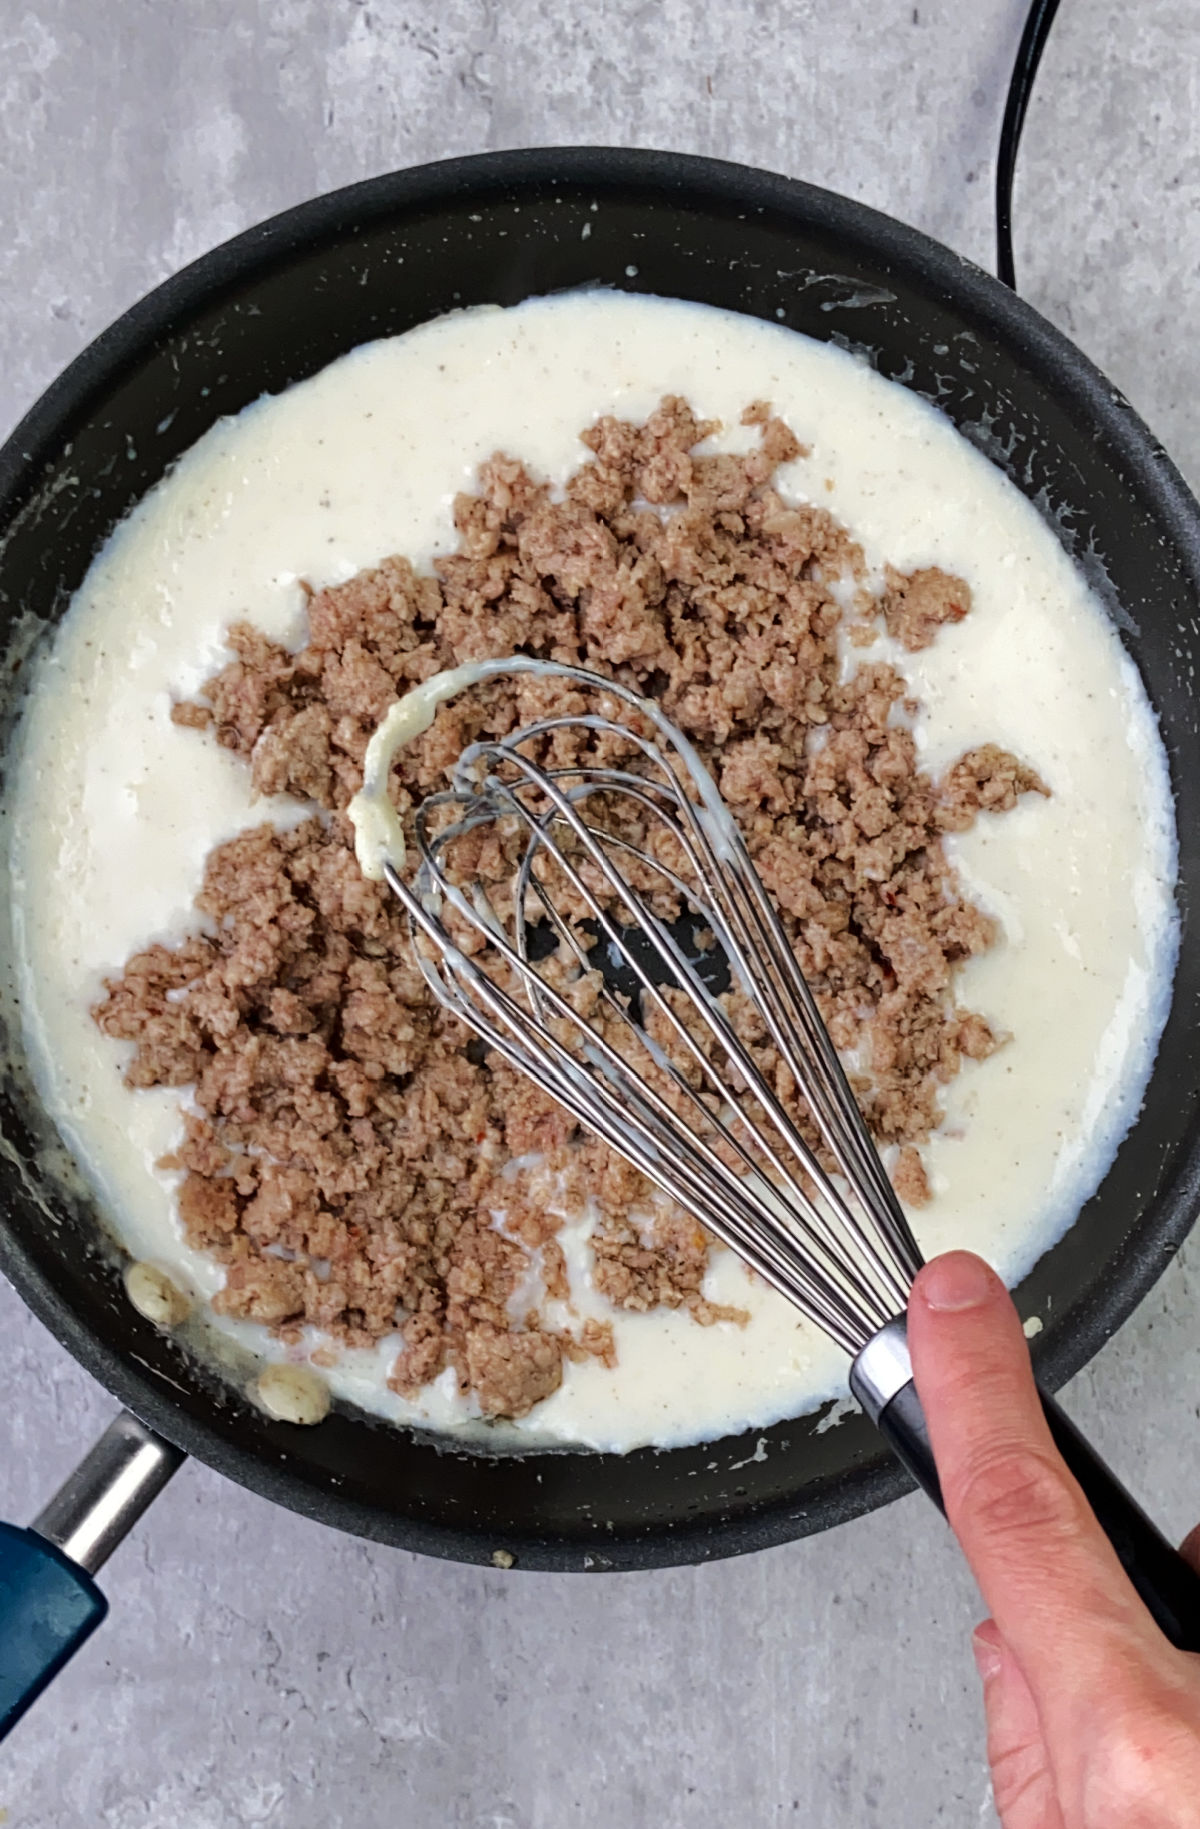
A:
1022,1779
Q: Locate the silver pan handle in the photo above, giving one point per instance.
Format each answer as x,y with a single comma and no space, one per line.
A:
49,1603
100,1502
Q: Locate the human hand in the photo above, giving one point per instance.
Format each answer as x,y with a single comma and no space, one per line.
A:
1093,1718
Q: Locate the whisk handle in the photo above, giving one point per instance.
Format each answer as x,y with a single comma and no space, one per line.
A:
903,1427
1168,1586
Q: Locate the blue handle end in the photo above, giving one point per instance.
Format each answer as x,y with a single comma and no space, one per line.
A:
48,1607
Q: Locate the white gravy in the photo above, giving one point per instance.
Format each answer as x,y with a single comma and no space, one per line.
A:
115,807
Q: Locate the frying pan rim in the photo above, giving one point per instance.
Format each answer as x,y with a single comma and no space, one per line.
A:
703,184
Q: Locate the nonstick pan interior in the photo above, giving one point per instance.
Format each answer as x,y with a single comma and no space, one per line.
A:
279,303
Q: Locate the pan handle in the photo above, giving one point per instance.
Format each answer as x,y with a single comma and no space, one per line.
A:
49,1603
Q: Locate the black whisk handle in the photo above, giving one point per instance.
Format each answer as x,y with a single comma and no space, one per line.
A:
903,1427
1169,1587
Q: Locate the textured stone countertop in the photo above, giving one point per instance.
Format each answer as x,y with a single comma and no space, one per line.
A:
258,1669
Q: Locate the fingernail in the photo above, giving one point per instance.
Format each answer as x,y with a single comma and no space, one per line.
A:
955,1282
986,1648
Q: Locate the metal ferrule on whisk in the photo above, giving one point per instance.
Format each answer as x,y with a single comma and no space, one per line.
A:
882,1368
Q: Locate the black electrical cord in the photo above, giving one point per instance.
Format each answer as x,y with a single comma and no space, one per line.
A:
1033,42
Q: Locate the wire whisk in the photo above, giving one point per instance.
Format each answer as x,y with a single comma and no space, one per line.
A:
667,1077
600,924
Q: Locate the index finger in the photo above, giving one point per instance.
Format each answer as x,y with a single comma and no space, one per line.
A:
1049,1575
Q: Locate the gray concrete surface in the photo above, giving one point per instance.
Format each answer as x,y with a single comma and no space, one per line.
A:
261,1670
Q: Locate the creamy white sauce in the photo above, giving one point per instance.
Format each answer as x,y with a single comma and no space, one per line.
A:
378,834
115,807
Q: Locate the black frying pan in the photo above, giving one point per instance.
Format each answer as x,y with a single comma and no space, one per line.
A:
280,302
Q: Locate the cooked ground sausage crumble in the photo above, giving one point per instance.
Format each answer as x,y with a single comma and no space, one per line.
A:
348,1147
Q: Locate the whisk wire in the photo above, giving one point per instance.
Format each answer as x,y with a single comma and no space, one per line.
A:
721,1030
763,943
635,1097
537,1052
789,1007
817,1231
702,1117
